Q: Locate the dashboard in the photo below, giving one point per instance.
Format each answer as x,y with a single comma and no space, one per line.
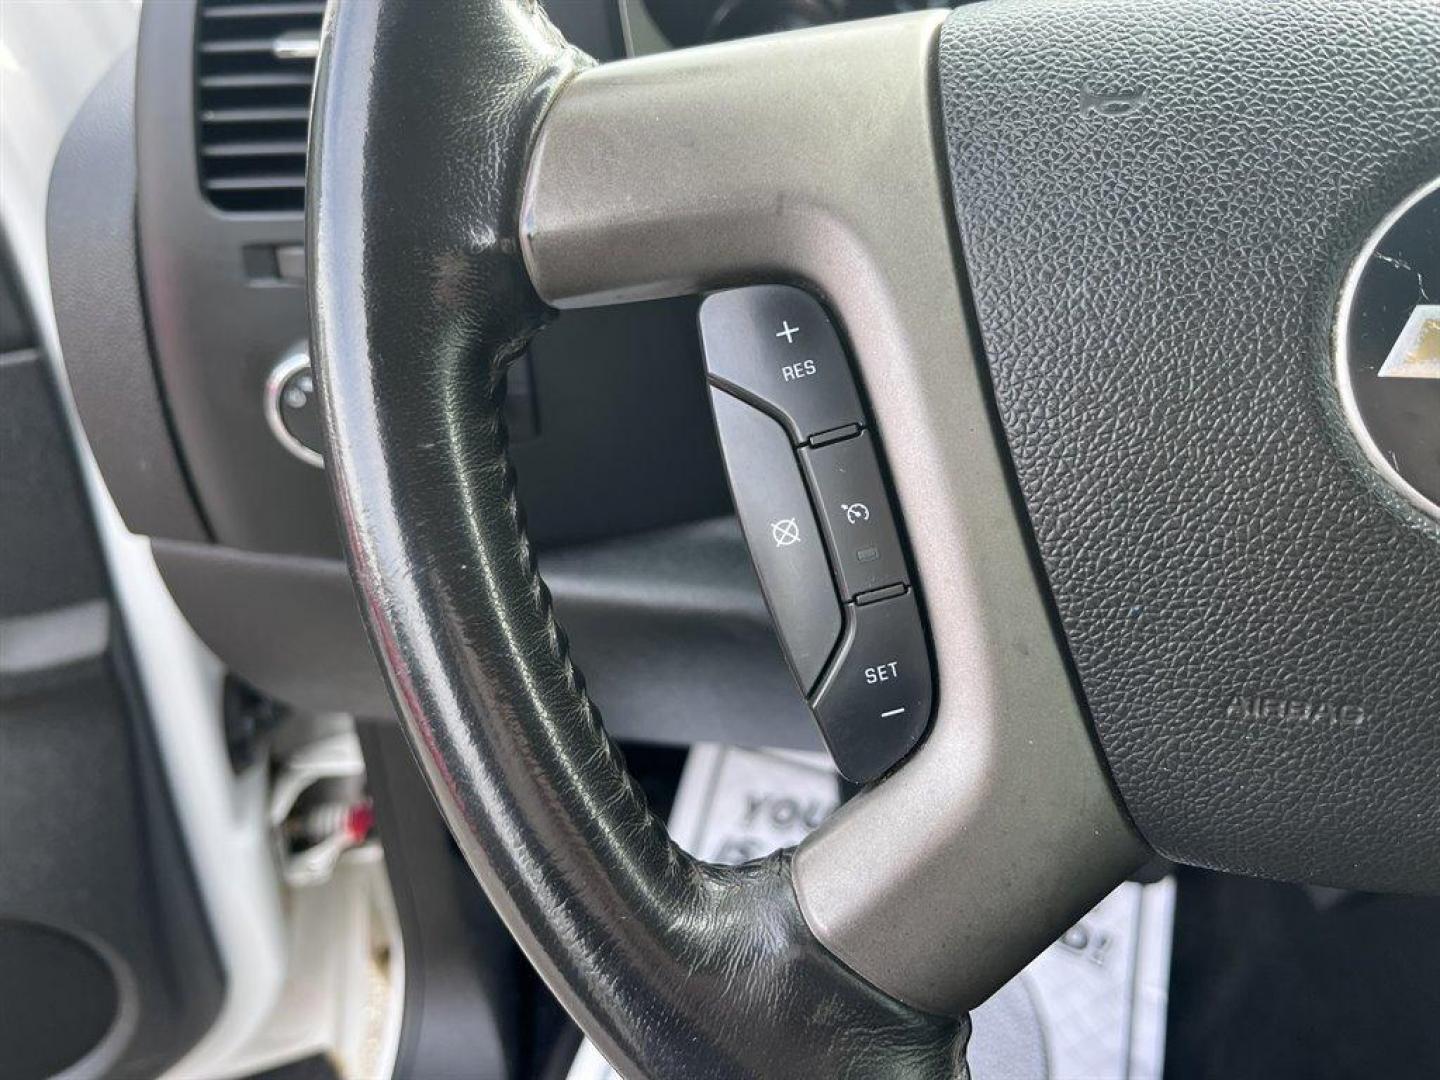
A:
696,22
192,385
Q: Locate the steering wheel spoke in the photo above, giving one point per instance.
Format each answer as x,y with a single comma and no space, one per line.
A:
811,157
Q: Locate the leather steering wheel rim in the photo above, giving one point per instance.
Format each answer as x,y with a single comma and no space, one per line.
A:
465,163
674,967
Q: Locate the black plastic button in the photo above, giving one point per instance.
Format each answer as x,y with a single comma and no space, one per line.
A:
875,701
785,541
855,513
776,344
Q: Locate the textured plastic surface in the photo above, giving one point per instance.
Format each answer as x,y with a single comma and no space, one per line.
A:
100,314
1158,203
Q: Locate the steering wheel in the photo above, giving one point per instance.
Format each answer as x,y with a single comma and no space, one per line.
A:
1090,260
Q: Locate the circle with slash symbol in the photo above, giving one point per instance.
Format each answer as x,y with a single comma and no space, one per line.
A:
785,532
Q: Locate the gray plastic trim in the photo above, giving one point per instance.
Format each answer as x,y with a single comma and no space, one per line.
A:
813,157
59,638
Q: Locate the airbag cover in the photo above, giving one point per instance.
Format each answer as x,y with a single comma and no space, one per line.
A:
1158,204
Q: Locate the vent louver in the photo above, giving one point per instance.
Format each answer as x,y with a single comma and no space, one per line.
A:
254,66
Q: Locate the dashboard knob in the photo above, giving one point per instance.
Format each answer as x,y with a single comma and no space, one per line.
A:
292,407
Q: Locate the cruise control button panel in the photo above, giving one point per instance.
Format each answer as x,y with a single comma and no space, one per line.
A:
785,541
816,511
775,344
874,703
855,514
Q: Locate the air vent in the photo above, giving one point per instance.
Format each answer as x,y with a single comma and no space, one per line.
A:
254,65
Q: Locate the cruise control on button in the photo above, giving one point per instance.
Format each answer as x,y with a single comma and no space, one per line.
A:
776,344
855,512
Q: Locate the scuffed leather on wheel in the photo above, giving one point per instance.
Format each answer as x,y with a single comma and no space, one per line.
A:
424,117
1158,201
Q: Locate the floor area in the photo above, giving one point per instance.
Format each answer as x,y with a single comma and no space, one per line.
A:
1271,982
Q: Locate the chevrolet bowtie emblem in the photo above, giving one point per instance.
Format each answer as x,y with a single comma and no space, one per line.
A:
1416,352
1387,349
